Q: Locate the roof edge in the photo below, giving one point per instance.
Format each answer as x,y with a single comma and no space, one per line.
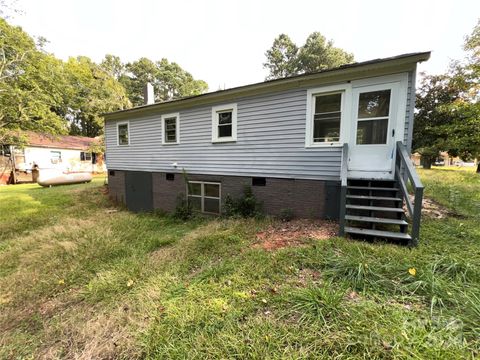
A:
399,60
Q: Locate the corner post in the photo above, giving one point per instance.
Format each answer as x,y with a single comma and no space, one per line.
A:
417,216
343,190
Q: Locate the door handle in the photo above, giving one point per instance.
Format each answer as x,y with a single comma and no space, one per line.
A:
393,132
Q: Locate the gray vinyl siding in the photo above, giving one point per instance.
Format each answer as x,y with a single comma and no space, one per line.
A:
270,142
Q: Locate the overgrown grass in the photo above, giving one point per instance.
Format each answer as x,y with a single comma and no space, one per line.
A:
80,278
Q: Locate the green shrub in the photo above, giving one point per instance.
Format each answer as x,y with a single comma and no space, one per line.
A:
183,210
245,206
286,215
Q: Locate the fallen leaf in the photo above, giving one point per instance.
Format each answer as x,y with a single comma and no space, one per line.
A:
386,345
353,295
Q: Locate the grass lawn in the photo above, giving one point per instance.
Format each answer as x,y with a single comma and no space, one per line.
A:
82,279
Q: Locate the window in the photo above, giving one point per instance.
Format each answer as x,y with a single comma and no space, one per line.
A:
224,123
326,118
85,156
373,113
327,109
259,181
56,157
170,129
5,150
170,176
122,134
204,196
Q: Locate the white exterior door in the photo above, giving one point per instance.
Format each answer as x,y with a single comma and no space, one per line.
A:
374,118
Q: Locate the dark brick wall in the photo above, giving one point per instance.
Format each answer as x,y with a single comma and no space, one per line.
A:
307,198
166,192
116,185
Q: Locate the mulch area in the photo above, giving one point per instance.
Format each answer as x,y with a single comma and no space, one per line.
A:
294,233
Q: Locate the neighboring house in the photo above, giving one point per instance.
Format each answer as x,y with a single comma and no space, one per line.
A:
61,152
298,141
444,160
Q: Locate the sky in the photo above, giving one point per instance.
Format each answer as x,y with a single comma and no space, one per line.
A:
224,42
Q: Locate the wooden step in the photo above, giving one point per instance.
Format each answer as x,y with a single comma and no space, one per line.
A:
374,208
365,197
377,233
376,220
372,180
371,188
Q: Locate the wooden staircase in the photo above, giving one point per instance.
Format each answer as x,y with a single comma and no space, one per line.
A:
375,208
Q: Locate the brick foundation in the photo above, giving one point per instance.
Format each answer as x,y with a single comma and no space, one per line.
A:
116,185
306,198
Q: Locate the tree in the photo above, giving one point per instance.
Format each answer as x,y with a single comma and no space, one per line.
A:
429,137
39,92
467,139
284,58
463,134
174,82
137,74
31,84
281,58
319,54
113,66
92,91
169,80
448,116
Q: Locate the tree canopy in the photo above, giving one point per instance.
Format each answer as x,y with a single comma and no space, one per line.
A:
91,92
285,58
448,110
31,82
169,80
39,92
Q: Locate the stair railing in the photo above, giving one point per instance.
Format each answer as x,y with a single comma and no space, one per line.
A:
405,172
343,190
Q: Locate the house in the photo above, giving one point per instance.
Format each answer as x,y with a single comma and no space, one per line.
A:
444,159
330,144
61,152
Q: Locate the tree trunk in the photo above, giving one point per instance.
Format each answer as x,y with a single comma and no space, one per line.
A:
478,167
427,162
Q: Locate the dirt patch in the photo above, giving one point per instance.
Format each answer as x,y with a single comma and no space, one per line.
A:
294,233
434,210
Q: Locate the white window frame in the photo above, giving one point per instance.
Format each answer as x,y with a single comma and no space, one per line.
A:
203,197
345,116
219,109
128,132
374,118
58,159
85,156
177,128
401,96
